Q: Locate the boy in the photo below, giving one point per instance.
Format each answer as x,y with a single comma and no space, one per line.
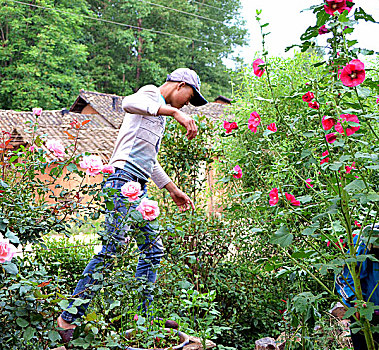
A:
135,159
369,277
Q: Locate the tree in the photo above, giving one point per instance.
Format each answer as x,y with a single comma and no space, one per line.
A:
41,55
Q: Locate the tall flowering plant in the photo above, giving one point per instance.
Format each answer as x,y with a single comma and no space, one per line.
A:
314,180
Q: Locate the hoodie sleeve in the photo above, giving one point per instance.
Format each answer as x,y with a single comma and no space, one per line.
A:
145,101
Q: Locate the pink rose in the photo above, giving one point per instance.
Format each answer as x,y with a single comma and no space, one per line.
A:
353,73
32,148
308,183
274,196
308,97
323,30
149,209
327,122
356,223
37,111
237,172
229,127
108,169
56,147
314,105
332,6
347,118
330,138
258,71
135,318
254,121
7,250
377,99
131,190
291,198
272,127
93,165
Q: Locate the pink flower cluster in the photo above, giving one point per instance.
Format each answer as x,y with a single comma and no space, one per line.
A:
94,165
237,172
131,190
56,147
229,127
308,97
353,73
274,198
257,67
332,6
149,209
341,126
7,250
254,121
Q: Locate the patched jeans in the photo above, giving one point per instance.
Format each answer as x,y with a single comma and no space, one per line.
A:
151,251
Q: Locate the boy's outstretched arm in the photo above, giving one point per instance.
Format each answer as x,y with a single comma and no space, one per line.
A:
182,118
179,197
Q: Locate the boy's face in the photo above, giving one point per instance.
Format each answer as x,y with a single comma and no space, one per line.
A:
181,95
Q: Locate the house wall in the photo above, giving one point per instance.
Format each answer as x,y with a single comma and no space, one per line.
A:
70,185
89,110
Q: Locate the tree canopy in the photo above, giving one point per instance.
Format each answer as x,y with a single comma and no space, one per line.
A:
111,46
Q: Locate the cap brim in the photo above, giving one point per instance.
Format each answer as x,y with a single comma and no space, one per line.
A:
197,99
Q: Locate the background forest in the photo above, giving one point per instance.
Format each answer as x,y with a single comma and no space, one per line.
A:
48,55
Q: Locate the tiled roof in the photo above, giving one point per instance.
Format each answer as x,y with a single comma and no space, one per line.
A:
215,111
107,105
96,137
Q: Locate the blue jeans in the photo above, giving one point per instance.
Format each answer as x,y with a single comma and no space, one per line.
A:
151,251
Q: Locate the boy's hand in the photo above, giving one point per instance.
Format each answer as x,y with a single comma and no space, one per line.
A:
188,123
179,197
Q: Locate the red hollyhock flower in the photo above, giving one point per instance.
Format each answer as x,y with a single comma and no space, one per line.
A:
349,130
332,6
325,160
327,122
229,127
258,71
237,172
274,197
314,105
331,137
350,168
353,73
308,97
308,183
272,127
254,121
291,198
323,30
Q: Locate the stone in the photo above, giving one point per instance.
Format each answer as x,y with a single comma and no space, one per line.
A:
266,344
338,311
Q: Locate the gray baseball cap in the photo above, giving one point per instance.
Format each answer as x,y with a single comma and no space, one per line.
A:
190,77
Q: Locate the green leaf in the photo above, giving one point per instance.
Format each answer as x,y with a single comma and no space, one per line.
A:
91,316
355,186
29,333
282,237
22,322
311,229
10,268
72,167
54,336
12,237
305,199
